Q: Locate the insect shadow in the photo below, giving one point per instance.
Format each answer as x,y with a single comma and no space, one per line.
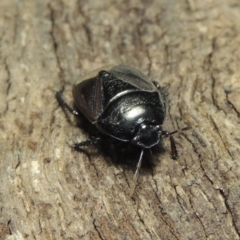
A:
119,153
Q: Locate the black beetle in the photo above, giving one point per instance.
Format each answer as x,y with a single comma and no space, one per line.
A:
125,105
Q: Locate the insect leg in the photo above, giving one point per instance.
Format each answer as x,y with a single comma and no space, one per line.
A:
63,104
174,152
162,90
156,85
88,142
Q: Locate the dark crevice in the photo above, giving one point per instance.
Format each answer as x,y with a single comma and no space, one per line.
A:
168,64
179,93
208,67
144,47
199,154
193,89
156,191
8,76
212,93
144,225
8,81
170,115
199,138
97,230
150,62
231,104
178,198
170,228
88,34
128,183
86,27
217,129
197,215
16,23
231,212
9,227
173,231
134,228
176,193
91,162
204,172
40,227
200,221
55,46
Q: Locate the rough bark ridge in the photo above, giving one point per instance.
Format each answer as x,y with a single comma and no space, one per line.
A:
48,191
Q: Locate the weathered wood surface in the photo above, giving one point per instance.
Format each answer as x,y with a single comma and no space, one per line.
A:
48,191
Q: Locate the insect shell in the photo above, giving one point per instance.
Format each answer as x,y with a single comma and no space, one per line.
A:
124,104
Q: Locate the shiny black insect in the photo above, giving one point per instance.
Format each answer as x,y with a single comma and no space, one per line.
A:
123,104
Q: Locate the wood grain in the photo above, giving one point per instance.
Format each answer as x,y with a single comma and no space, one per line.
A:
48,191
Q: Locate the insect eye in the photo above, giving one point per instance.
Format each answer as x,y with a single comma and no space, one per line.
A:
104,73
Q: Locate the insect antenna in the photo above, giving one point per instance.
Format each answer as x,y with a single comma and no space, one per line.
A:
136,174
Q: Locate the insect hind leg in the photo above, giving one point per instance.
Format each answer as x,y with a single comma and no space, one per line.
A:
79,146
162,90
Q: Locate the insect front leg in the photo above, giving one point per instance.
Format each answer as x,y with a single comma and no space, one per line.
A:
174,152
64,105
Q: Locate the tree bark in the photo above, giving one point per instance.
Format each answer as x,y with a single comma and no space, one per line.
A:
49,191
